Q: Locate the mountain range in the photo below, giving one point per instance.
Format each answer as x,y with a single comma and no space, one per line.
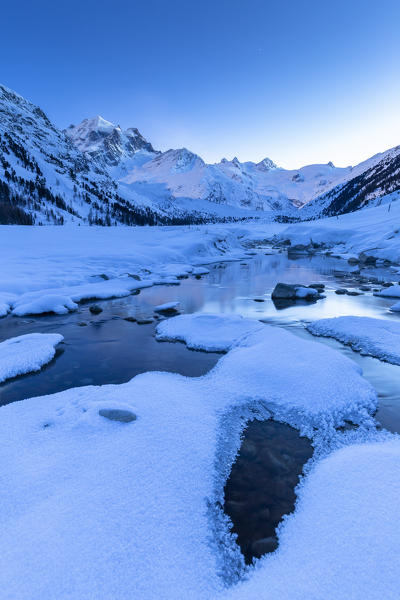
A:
98,173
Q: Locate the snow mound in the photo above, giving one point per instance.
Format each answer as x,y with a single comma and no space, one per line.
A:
48,303
305,382
27,353
213,333
342,542
374,337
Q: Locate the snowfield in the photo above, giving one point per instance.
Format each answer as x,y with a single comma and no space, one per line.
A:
376,337
374,231
98,506
27,353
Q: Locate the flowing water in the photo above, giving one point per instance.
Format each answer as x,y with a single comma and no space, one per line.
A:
110,348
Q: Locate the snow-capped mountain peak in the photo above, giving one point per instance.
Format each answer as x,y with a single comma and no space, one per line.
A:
266,165
107,142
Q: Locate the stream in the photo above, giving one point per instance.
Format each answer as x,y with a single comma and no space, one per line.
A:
112,347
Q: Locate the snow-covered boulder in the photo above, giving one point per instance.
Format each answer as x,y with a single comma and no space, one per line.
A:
289,291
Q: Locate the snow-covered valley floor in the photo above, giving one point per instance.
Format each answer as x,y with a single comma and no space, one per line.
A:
98,508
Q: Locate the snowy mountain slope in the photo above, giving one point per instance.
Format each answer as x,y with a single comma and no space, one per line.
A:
274,184
97,173
44,178
363,186
186,175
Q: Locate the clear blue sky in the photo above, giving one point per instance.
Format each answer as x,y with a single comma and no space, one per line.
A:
299,81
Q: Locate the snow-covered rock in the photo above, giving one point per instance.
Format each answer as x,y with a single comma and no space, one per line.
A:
389,292
27,353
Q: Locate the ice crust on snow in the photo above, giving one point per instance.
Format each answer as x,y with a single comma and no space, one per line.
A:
27,353
376,337
137,481
276,367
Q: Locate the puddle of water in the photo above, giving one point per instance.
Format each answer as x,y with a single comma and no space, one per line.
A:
260,488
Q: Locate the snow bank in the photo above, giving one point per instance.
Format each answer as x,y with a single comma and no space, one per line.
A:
342,542
62,300
375,337
100,508
214,333
374,231
309,382
52,303
27,353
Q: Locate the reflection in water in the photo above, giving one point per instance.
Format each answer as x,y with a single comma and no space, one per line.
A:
110,349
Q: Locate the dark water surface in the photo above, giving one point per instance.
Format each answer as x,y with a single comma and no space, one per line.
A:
107,348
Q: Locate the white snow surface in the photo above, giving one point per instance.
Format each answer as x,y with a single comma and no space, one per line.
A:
375,337
27,353
214,333
269,363
374,231
93,508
